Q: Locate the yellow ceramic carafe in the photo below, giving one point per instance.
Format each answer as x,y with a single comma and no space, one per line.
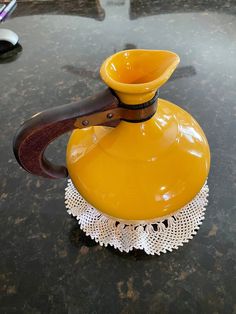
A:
137,169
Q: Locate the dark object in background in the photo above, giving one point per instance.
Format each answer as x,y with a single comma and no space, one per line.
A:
9,45
90,9
10,54
5,46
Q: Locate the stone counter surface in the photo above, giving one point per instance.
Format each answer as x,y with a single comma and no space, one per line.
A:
47,264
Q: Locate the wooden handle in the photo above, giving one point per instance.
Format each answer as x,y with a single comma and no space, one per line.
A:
34,135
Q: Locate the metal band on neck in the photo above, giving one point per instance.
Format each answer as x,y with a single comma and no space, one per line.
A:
140,112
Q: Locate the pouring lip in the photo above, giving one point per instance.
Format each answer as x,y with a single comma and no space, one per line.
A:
138,88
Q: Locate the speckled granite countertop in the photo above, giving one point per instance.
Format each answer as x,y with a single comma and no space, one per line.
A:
47,264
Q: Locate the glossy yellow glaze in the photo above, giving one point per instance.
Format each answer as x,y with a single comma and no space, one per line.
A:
140,171
135,75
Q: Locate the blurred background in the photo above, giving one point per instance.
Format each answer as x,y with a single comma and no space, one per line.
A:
47,264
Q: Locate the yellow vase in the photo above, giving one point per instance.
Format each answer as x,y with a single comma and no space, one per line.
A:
146,170
131,156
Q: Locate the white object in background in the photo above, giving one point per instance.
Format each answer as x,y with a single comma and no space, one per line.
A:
8,36
154,237
7,10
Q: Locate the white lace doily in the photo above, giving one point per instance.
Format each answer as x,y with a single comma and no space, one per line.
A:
157,237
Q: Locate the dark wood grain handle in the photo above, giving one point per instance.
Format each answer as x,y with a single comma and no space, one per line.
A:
34,135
